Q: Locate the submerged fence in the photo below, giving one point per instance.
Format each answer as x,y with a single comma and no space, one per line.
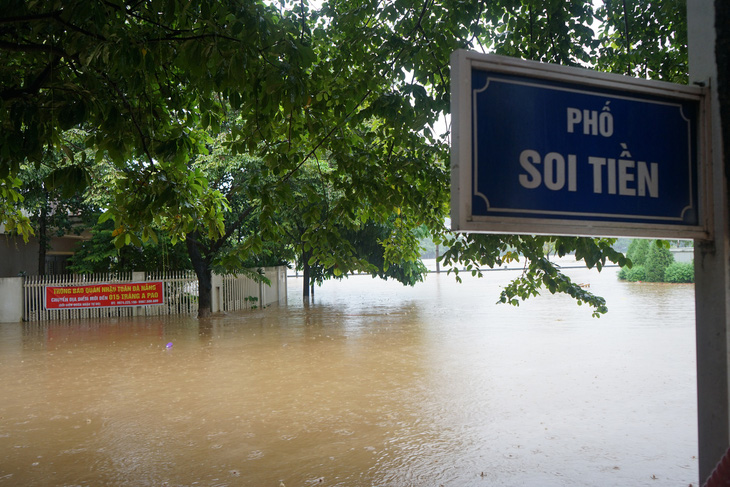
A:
180,290
239,292
34,296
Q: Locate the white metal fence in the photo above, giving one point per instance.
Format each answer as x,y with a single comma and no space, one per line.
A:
34,296
239,292
230,293
181,293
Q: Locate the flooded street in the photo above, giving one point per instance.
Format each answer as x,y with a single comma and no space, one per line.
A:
373,384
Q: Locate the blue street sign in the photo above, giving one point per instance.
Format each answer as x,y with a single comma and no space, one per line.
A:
548,149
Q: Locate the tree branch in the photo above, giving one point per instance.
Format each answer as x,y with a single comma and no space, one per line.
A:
31,48
141,133
232,228
19,19
628,40
33,87
357,105
79,29
130,12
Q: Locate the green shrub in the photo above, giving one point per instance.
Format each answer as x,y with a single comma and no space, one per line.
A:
634,274
680,272
657,261
638,251
623,273
654,263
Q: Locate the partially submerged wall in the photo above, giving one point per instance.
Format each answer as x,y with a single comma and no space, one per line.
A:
11,299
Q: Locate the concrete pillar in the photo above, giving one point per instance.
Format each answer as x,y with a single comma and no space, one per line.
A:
138,276
11,299
217,293
281,288
712,261
262,293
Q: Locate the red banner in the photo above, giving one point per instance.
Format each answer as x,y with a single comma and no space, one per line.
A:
104,295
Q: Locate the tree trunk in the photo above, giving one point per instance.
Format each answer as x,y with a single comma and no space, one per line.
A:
438,267
43,235
305,275
202,269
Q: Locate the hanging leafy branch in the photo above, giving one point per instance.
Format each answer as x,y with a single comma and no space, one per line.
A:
361,85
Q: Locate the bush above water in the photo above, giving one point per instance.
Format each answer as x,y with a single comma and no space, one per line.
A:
657,261
633,274
638,251
680,272
653,262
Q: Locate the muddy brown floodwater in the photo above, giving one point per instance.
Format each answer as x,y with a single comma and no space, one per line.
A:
373,384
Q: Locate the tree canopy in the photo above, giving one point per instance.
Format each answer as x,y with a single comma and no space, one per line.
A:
360,84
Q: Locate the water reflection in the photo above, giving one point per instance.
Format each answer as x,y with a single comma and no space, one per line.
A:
371,384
